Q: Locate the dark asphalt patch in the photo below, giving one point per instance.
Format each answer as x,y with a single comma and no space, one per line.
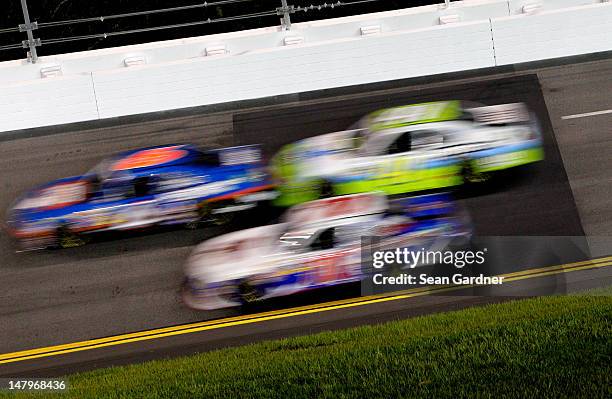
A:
539,201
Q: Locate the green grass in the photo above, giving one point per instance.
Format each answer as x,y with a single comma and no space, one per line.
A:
546,347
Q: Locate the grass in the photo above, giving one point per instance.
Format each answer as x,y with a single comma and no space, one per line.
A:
545,347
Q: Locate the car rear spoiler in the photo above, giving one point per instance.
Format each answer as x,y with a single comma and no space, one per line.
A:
240,155
500,114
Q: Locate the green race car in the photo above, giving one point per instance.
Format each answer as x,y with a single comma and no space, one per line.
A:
409,149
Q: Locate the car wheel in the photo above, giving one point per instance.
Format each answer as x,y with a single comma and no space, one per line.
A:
326,189
202,212
205,215
248,293
472,176
66,238
220,219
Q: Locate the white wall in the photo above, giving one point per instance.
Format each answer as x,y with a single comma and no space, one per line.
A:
45,102
242,42
208,80
516,6
553,34
96,84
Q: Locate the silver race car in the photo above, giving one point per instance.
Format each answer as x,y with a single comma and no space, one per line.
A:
318,245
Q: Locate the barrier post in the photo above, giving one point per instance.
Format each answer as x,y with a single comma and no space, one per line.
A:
285,10
28,27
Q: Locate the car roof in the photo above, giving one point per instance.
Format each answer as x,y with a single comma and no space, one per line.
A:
414,114
318,212
154,157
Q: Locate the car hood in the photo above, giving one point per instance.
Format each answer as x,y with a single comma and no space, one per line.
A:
236,255
316,156
50,199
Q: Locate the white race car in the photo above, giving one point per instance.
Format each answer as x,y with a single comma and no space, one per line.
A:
318,245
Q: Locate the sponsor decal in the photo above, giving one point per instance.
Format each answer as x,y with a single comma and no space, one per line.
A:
151,157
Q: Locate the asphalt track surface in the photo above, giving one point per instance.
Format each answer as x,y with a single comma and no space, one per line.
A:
196,337
132,284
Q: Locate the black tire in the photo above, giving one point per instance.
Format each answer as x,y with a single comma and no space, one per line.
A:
66,238
202,212
221,219
471,177
249,295
326,189
205,216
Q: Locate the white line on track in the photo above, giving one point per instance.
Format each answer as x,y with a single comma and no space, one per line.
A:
606,111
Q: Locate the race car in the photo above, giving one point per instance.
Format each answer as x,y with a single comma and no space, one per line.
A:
164,185
408,149
317,245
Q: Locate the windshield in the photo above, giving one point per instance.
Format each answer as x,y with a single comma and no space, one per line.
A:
360,137
101,171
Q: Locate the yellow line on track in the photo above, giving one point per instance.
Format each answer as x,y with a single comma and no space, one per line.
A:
283,313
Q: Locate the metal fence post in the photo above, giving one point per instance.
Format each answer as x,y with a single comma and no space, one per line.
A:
285,10
28,27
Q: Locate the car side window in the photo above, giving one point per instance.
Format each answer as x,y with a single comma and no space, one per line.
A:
172,181
426,138
401,144
325,240
117,187
142,186
349,234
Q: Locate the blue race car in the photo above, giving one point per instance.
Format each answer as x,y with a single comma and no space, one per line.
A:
164,185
